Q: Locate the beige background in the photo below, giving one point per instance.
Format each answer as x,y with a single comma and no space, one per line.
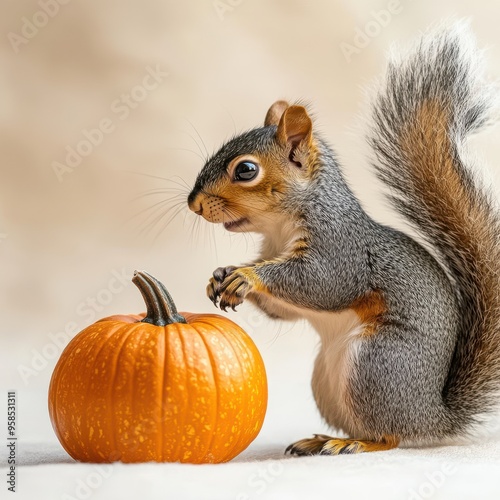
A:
62,240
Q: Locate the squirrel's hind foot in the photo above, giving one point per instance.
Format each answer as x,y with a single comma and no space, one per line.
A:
321,444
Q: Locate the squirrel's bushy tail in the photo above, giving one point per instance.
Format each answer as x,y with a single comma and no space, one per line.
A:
431,101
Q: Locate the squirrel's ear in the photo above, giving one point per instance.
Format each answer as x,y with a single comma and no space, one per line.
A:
275,113
295,125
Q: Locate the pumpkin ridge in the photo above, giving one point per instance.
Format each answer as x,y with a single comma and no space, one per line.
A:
213,421
162,388
111,410
186,391
133,387
56,377
246,344
168,370
216,389
87,386
244,398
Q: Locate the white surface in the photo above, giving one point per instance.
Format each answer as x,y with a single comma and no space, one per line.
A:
467,471
457,472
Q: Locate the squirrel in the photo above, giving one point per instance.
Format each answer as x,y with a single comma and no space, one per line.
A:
409,331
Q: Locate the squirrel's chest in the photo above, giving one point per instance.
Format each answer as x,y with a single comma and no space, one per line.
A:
341,337
335,363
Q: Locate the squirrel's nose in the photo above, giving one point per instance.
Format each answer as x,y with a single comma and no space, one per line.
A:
197,208
195,204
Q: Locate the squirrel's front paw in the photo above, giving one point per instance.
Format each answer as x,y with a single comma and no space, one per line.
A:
215,282
230,285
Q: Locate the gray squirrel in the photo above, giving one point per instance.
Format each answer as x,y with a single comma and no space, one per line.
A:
410,332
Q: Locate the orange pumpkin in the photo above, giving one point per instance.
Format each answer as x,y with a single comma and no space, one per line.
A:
158,387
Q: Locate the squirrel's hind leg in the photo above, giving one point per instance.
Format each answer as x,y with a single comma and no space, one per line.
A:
321,444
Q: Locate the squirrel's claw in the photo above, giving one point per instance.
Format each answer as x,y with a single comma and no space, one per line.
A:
212,292
221,273
214,287
307,447
234,289
224,305
229,286
321,444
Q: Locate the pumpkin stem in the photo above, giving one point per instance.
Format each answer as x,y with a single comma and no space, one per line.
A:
160,306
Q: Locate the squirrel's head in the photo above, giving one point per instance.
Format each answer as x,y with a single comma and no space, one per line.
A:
244,184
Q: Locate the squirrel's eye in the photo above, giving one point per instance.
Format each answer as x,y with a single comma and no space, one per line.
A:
245,171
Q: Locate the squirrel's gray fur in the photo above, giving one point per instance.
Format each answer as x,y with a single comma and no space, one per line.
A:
433,366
